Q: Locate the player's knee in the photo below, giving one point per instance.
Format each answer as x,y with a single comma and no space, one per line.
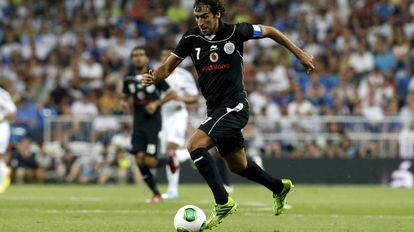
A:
140,160
199,140
193,144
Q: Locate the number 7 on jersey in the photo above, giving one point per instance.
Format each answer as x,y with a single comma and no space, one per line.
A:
198,50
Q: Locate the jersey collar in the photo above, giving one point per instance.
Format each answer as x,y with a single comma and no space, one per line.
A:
211,37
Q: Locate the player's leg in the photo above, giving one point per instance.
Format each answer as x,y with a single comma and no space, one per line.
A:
198,146
238,164
174,135
140,148
172,177
4,173
147,175
223,170
4,170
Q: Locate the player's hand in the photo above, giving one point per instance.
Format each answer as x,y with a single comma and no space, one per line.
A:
307,61
148,78
151,107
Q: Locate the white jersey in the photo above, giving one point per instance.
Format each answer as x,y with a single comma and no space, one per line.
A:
174,113
183,83
7,106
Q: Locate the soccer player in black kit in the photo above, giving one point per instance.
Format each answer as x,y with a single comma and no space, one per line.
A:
147,119
216,49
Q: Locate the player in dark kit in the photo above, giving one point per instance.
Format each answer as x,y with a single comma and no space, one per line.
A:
216,49
147,119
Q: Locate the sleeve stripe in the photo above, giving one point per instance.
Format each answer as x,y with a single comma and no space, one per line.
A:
177,56
257,31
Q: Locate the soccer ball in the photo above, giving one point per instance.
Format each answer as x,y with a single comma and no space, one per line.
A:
189,218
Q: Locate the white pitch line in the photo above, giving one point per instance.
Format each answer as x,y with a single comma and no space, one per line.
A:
243,212
48,198
386,217
100,199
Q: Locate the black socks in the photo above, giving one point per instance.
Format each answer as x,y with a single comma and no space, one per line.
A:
255,173
222,169
207,168
149,179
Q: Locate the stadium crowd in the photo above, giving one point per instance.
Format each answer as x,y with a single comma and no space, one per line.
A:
69,58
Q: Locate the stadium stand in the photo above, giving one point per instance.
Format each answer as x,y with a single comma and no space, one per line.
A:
63,63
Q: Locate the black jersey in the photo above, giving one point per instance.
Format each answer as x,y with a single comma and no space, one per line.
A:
142,96
219,61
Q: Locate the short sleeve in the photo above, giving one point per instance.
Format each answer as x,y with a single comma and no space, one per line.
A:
247,31
183,48
163,86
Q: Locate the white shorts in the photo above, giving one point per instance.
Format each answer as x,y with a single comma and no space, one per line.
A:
4,136
173,129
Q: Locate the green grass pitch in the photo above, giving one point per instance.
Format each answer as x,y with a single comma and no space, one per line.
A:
122,208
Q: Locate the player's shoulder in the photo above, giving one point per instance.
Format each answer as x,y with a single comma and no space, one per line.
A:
243,25
237,28
3,92
192,32
130,75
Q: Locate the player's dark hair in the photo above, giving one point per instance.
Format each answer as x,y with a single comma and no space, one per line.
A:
215,6
137,48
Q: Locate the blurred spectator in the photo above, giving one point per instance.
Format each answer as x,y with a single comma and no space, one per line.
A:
407,112
402,177
27,116
90,72
258,98
106,164
361,60
68,58
45,164
373,112
66,163
300,106
384,59
406,140
23,162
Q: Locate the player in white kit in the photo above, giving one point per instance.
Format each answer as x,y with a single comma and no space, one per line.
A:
175,120
7,111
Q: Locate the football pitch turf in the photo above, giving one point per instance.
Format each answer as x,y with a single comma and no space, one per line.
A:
122,208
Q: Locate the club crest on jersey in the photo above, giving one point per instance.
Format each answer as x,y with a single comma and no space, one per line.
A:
214,57
229,48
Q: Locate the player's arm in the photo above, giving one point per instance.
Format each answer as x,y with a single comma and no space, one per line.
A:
170,95
279,37
162,72
124,101
153,106
188,99
9,109
7,116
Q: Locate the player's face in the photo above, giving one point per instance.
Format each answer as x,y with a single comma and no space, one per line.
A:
139,58
206,21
